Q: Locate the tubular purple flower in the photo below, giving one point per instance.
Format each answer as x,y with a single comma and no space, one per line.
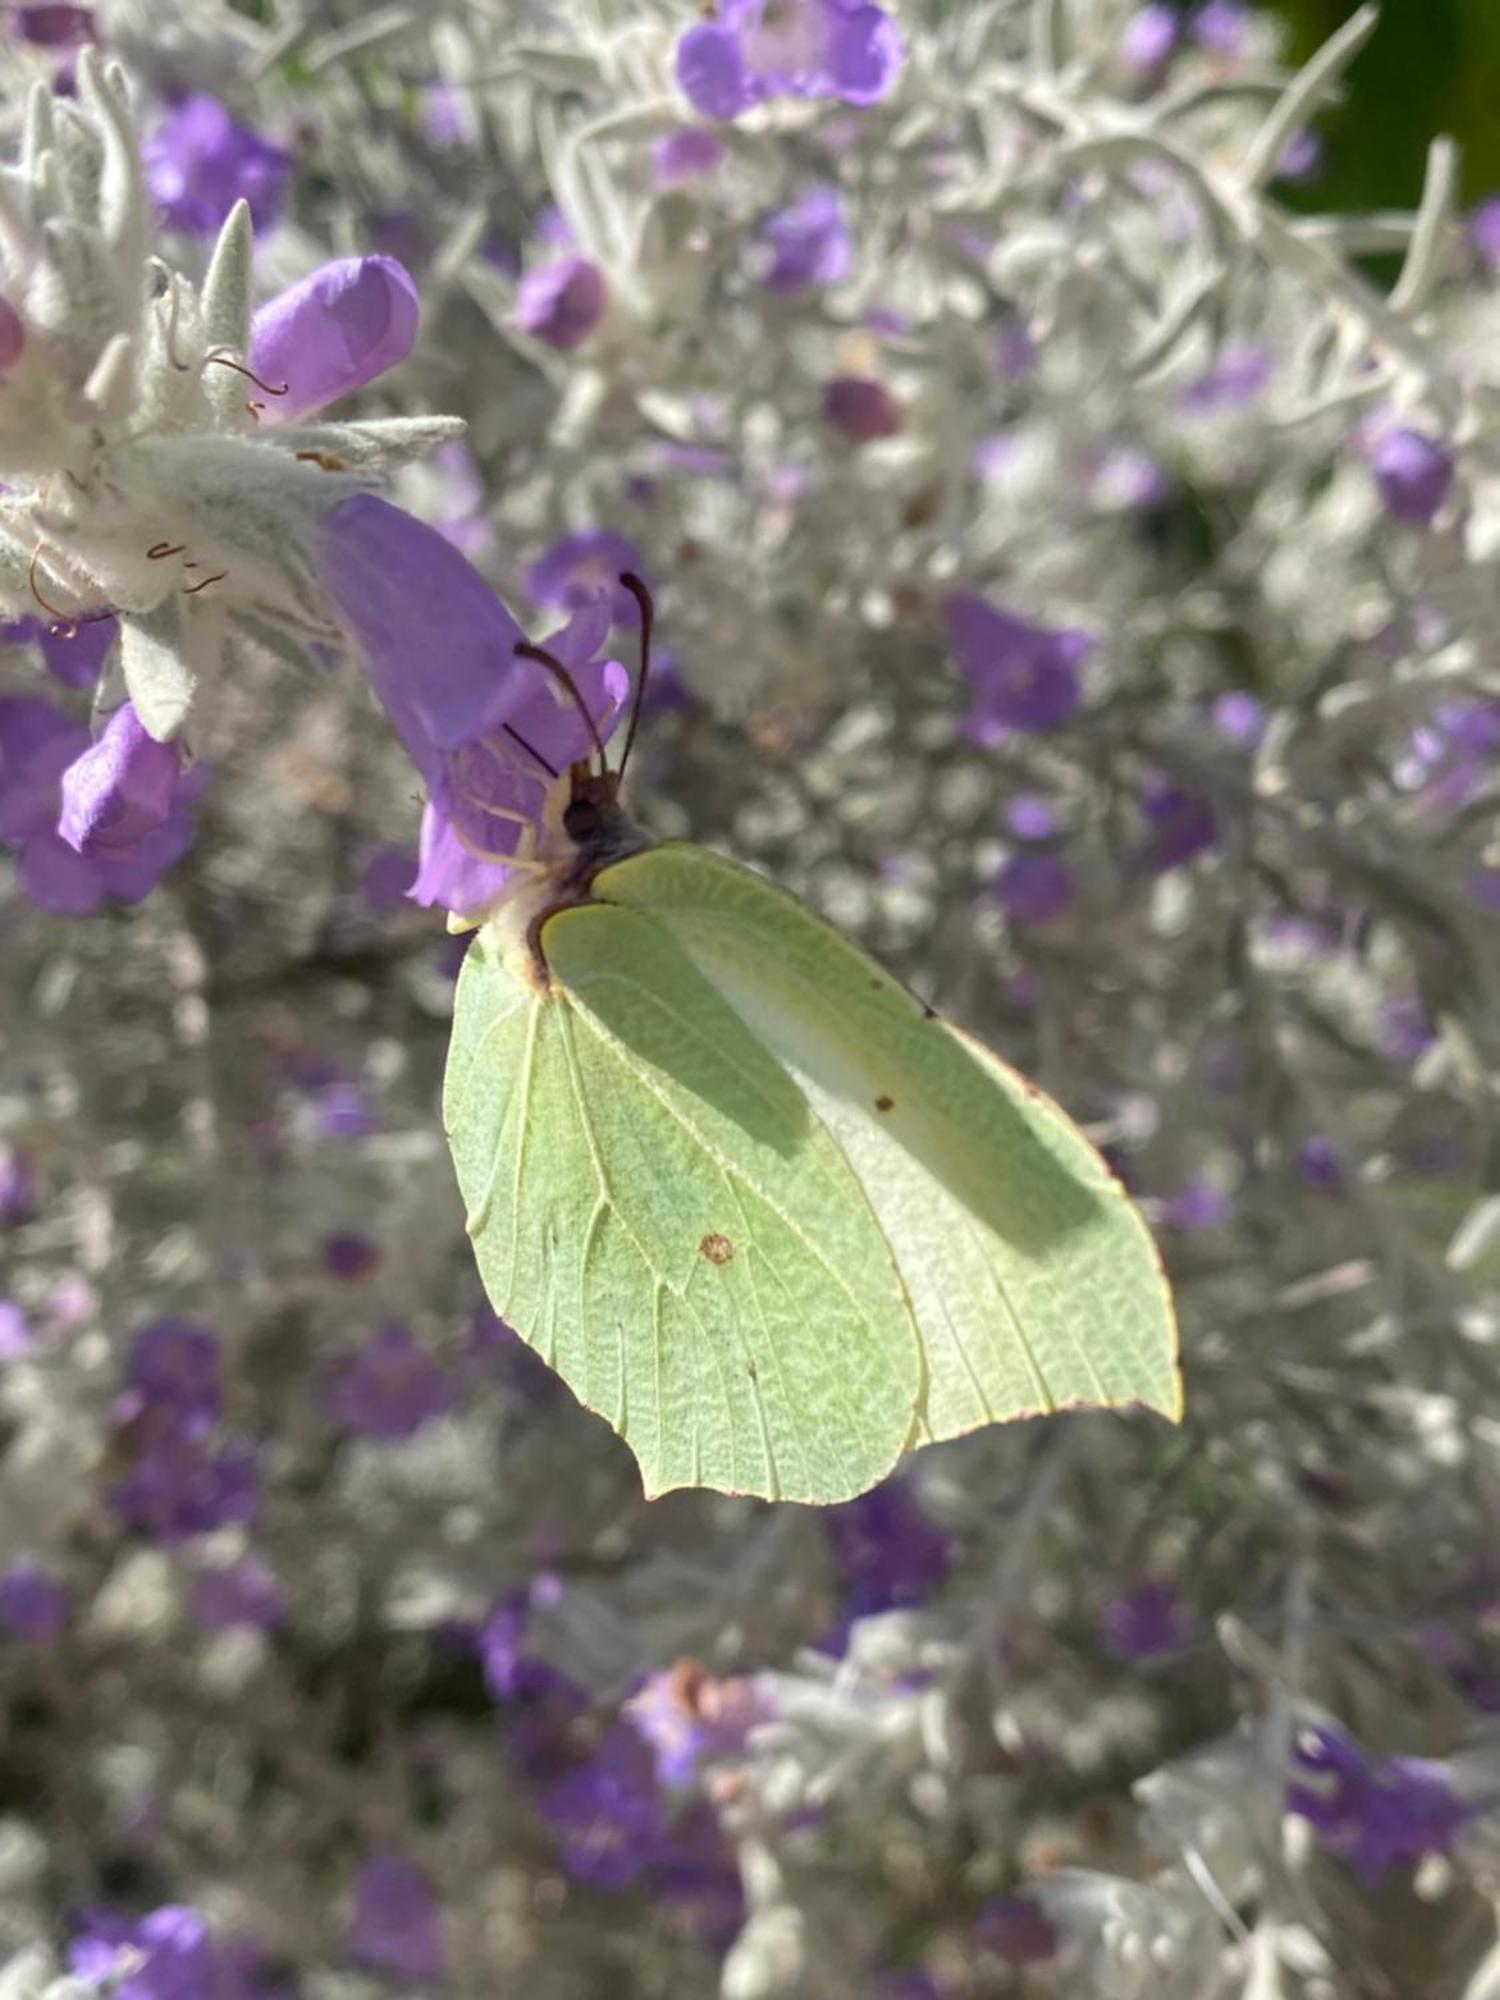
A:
1413,474
122,789
580,568
758,49
200,161
862,408
1378,1817
561,303
332,332
1022,676
809,242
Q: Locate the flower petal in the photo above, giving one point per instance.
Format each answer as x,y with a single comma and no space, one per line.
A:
711,72
120,789
337,329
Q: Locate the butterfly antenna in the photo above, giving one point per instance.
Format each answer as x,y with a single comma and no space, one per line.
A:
631,582
554,666
531,750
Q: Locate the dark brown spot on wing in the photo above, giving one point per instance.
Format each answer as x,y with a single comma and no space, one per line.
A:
885,1104
716,1248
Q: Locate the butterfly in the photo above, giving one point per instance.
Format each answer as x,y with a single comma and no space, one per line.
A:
763,1209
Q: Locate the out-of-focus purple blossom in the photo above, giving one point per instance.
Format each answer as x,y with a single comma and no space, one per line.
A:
690,1719
74,655
1181,825
1484,233
52,24
1032,816
33,1604
181,1486
687,154
121,791
1034,887
1301,157
1406,1028
994,455
1149,39
37,744
18,1190
1458,1658
1484,887
1222,27
349,1256
890,1551
1377,1817
175,1368
561,303
553,229
1146,1622
387,1389
396,1925
1318,1163
757,49
386,876
1413,474
16,1336
510,1671
1235,377
584,566
170,1954
608,1814
200,161
1021,676
809,242
1240,718
862,408
332,332
1127,480
441,652
240,1596
1202,1202
1017,1930
441,115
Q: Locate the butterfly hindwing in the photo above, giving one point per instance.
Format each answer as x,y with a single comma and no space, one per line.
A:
1034,1282
655,1207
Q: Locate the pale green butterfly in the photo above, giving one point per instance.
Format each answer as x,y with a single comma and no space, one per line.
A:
758,1205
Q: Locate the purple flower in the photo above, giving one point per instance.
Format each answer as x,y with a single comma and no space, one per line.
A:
200,161
1484,232
891,1552
1016,1929
1413,474
174,1369
685,155
1031,816
575,571
1377,1817
1406,1029
168,1955
241,1596
120,791
1240,718
17,1188
862,408
1021,676
1235,377
1318,1163
348,1256
441,652
181,1485
1145,1622
74,655
1034,888
387,1389
809,242
1181,825
33,1604
1301,157
1126,479
16,1337
53,24
332,332
1149,39
38,743
385,877
756,49
607,1814
689,1718
1200,1203
396,1925
562,302
1221,27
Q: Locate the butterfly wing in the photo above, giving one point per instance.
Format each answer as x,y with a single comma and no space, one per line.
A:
1034,1282
656,1209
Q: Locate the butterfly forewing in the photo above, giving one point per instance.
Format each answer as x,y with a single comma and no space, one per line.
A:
1034,1282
